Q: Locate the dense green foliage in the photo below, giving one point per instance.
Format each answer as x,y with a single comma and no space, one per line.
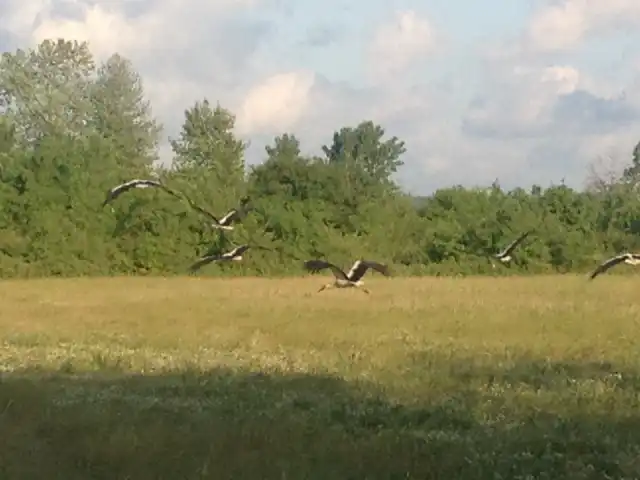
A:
71,129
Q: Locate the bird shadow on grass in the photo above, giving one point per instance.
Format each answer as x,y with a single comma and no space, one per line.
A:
226,423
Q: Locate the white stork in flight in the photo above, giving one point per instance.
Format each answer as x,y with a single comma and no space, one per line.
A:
233,255
505,255
115,192
628,258
346,280
225,222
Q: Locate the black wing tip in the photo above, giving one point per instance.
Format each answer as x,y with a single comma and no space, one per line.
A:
381,267
201,262
314,265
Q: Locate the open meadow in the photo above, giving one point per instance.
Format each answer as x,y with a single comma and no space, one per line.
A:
448,378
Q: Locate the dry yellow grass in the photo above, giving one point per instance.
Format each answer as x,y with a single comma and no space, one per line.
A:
257,378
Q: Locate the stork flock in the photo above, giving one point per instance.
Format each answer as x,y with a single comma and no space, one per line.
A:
350,279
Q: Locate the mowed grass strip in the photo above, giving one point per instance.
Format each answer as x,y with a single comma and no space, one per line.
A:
472,378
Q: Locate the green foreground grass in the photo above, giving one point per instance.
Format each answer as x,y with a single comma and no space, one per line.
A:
188,378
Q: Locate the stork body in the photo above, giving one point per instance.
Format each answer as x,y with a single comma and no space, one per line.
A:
628,258
234,255
353,279
226,222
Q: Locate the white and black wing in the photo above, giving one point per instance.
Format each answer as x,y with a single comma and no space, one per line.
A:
230,217
607,264
230,255
235,214
511,247
316,265
238,251
198,208
360,267
118,190
204,261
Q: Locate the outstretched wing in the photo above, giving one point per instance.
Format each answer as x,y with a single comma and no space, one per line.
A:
200,209
235,214
170,191
118,190
136,183
236,252
511,247
317,265
204,261
607,264
229,217
360,267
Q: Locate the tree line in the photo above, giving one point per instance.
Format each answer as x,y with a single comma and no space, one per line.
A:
70,129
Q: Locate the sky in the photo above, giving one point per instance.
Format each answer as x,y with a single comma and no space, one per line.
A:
523,91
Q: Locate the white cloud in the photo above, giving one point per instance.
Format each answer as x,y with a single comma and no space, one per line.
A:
522,101
553,120
19,16
397,44
166,26
106,30
275,104
564,25
559,26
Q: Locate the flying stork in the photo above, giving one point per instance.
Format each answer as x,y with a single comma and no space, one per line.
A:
346,280
115,192
233,255
225,222
628,258
505,255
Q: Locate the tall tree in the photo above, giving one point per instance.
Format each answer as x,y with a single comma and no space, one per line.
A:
362,163
7,136
123,114
209,160
285,173
207,142
632,173
46,89
284,146
363,147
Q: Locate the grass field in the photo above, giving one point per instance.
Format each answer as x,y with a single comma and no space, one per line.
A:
187,378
